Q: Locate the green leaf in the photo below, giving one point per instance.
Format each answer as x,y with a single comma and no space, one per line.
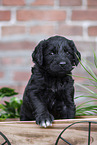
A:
2,106
89,90
87,110
86,96
85,104
95,59
91,73
7,92
95,86
84,78
11,108
3,117
6,103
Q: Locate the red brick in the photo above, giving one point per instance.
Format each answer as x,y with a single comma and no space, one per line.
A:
42,29
11,61
49,15
0,2
69,30
92,3
5,15
21,76
13,30
85,46
1,74
14,2
43,2
92,31
25,45
20,88
70,3
84,15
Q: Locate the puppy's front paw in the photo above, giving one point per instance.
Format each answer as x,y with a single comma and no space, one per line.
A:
44,120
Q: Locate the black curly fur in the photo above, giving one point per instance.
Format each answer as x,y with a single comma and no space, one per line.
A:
49,94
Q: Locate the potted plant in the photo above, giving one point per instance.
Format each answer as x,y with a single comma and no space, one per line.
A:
89,96
11,108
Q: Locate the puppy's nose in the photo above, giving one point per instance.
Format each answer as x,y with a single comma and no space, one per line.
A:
62,64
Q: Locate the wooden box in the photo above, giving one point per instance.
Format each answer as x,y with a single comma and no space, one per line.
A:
28,133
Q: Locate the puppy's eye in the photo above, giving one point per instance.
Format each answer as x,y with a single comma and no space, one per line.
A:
68,53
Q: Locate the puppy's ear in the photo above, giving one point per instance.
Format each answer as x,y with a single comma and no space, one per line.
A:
77,55
37,55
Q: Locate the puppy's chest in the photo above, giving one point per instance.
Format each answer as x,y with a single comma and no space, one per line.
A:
57,86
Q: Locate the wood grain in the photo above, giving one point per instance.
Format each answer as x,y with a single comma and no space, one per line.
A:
28,133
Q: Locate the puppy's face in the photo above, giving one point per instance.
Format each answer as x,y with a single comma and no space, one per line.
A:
57,55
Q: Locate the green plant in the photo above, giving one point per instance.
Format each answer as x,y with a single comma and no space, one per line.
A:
88,107
9,109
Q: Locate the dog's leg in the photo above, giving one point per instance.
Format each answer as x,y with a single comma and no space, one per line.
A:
70,103
42,115
71,111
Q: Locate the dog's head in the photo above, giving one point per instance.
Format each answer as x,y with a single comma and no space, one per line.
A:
57,55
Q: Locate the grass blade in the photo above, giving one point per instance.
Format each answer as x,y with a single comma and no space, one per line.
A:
84,78
89,90
87,110
91,73
83,96
82,104
95,59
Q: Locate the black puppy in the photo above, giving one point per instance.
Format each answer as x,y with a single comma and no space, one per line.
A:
49,94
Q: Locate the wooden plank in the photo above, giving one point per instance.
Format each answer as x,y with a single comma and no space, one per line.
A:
28,133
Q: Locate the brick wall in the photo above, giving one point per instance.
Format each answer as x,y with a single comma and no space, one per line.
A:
23,23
